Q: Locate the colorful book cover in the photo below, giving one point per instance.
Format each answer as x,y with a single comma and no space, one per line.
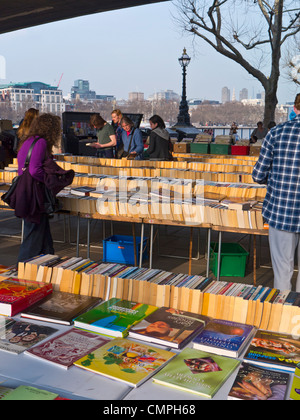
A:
60,307
295,388
260,384
27,393
17,295
114,317
66,348
168,326
224,337
18,336
196,371
271,349
126,361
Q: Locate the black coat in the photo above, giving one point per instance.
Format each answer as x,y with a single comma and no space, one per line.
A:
159,148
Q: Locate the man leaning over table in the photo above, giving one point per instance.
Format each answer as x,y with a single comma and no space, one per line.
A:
278,167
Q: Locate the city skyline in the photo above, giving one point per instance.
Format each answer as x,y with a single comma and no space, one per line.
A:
104,48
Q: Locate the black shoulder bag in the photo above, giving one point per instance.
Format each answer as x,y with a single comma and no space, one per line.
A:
124,153
6,197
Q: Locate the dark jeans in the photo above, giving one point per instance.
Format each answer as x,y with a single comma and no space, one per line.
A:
37,239
105,153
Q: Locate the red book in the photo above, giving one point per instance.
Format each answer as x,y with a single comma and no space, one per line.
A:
17,295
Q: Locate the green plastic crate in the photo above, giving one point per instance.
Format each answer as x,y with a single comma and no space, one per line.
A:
199,148
220,149
233,259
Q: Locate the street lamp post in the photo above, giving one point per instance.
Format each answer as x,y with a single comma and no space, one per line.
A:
183,118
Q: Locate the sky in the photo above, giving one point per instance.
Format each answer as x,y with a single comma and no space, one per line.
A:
128,50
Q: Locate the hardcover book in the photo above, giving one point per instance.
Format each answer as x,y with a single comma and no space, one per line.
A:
18,336
17,295
271,349
126,361
224,337
114,317
255,383
64,349
60,307
198,372
168,326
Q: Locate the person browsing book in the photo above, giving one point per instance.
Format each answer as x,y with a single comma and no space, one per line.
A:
106,136
278,167
37,238
132,138
159,144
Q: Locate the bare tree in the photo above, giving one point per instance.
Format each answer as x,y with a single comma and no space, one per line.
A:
249,32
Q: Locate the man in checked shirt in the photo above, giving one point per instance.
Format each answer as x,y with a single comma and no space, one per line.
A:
278,167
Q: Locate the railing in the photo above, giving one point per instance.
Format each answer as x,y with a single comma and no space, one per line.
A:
243,132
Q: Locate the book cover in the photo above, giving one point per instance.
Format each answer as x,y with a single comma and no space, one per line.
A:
28,393
18,336
295,388
227,338
168,326
114,317
17,295
272,349
259,384
126,361
198,372
64,349
60,307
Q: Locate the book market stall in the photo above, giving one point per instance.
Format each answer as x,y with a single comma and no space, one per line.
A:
121,330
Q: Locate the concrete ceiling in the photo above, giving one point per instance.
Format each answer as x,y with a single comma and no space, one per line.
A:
19,14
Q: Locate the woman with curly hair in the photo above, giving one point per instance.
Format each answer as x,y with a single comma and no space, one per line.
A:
24,128
46,130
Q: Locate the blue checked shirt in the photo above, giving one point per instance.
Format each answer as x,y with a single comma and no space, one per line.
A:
278,166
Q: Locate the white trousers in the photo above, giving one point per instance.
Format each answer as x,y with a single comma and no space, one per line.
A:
283,246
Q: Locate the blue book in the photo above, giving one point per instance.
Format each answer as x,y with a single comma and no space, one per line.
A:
225,338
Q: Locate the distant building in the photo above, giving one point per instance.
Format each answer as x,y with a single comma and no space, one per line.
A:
233,95
243,94
225,95
81,90
167,95
135,96
40,95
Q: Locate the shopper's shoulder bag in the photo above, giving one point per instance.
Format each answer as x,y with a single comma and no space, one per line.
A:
10,196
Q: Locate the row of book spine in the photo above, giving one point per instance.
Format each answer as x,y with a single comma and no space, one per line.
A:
207,213
265,308
186,162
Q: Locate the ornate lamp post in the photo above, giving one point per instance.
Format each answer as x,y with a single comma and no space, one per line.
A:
183,118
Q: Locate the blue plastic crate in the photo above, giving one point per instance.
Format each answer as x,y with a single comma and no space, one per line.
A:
119,249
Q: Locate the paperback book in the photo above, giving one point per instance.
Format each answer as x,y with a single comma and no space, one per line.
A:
260,384
126,361
198,372
274,350
114,317
18,336
64,349
17,295
168,326
60,307
222,337
27,393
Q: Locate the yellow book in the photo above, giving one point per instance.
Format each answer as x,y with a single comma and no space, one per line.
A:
205,305
258,313
240,310
265,315
275,317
